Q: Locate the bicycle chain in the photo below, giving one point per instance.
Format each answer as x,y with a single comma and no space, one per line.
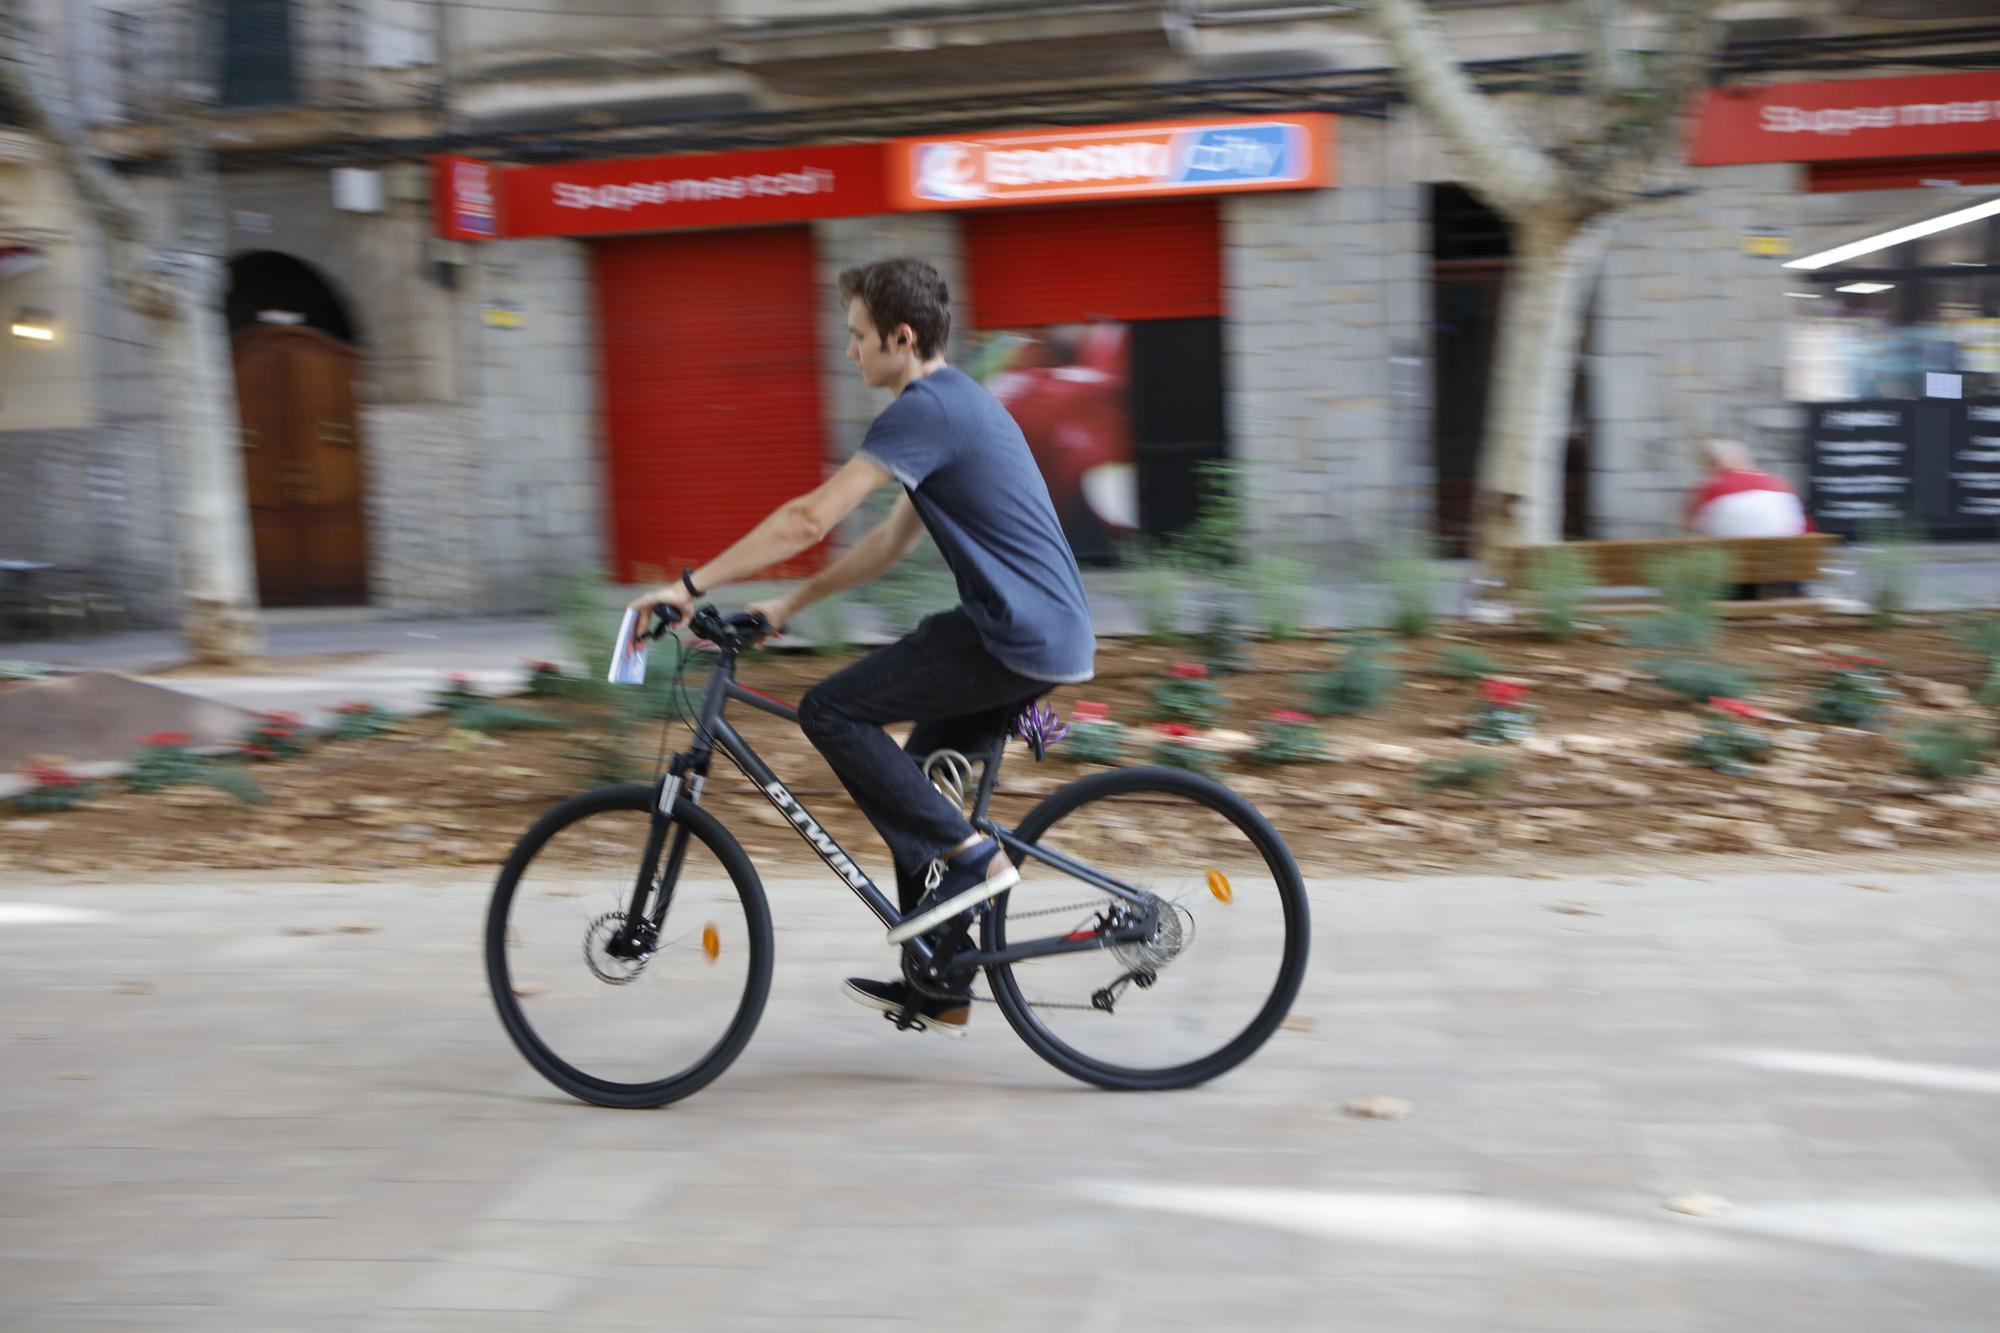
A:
1071,910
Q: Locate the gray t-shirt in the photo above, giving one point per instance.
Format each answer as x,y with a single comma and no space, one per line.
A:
974,482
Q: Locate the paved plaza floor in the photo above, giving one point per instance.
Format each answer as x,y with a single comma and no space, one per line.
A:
230,1102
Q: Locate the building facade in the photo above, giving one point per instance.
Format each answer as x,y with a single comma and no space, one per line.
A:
523,290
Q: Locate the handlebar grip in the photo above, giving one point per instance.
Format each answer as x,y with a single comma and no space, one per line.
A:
664,619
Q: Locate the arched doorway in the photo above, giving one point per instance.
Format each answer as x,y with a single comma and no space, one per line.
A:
293,345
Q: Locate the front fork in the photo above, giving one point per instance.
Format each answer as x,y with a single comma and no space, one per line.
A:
647,914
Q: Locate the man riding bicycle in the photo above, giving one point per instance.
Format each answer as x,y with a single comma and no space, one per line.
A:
1022,624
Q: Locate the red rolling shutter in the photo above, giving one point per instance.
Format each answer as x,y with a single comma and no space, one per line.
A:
711,382
1031,267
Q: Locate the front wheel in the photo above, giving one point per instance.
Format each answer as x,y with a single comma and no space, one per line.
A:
1220,969
616,1012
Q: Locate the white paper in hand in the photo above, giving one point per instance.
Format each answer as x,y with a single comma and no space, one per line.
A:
628,660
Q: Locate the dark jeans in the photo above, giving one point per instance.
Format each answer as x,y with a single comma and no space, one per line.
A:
940,677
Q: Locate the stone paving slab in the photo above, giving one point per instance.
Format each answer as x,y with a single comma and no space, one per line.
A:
209,1123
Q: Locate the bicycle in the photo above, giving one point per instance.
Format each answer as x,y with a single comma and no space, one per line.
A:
1128,944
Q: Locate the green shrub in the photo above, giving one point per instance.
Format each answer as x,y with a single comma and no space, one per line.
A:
1224,647
826,625
1698,680
458,691
1559,583
490,717
273,737
165,762
1278,588
1725,744
1689,583
16,669
1463,662
1989,693
1979,632
1176,748
1288,738
1890,559
1504,713
52,789
1410,581
358,720
1947,752
232,781
1477,773
1854,695
1186,694
1099,741
1360,682
1158,590
546,680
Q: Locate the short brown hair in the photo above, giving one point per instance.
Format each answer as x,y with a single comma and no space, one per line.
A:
903,291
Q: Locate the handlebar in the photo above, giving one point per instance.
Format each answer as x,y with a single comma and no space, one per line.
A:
733,633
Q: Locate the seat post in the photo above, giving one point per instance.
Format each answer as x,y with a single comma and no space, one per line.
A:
990,777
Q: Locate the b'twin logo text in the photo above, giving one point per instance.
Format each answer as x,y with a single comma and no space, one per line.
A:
814,834
1848,119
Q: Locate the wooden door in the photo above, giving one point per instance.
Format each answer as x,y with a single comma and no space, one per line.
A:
302,466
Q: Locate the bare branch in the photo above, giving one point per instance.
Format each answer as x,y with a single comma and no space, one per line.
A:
104,197
1603,25
1503,165
1632,160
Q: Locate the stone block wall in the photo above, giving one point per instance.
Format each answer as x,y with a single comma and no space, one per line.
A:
1323,346
532,438
1687,339
103,499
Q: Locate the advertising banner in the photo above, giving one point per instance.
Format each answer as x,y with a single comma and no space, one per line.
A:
1921,116
694,190
1112,162
466,197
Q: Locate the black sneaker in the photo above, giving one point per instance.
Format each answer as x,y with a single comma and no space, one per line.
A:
958,883
945,1016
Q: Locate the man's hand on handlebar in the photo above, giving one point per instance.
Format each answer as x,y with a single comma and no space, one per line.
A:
674,599
777,613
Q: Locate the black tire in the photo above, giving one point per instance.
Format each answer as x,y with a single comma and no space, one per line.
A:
1284,875
636,799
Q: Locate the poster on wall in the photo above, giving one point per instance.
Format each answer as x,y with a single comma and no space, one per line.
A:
1069,387
1975,464
1860,458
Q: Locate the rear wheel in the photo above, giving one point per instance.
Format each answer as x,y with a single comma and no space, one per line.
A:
612,1012
1218,972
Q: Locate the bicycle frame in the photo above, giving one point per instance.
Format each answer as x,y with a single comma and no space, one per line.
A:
713,731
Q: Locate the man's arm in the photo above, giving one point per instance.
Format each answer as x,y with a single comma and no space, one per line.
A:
792,527
886,543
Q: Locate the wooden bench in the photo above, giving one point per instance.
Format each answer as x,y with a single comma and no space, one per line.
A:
1630,565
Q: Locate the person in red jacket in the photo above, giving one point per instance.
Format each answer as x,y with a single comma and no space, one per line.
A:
1738,500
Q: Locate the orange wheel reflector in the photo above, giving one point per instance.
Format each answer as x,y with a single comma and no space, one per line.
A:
711,942
1218,884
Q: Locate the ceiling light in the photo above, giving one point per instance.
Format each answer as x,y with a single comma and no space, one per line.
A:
1865,288
1805,296
1882,240
35,326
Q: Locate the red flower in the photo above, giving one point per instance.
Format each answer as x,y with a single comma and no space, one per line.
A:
459,678
167,738
1502,693
1189,671
355,706
1290,717
256,751
282,719
533,665
1176,730
51,775
1735,708
1086,711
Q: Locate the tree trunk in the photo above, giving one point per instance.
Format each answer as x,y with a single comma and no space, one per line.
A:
218,574
1528,401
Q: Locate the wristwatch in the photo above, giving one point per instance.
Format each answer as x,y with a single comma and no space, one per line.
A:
687,581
